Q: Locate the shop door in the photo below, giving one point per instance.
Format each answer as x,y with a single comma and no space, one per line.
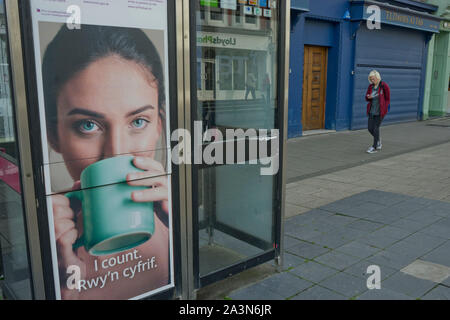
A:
314,87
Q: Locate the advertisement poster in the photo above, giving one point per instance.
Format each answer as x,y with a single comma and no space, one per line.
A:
102,79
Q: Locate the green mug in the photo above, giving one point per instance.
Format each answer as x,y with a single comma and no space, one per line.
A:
112,221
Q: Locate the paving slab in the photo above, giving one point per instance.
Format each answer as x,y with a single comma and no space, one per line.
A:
391,232
427,271
307,250
438,293
309,216
331,240
319,293
437,230
291,261
365,225
409,225
360,270
421,239
255,292
313,271
392,259
290,241
412,249
358,249
337,260
345,284
409,285
286,284
383,294
440,255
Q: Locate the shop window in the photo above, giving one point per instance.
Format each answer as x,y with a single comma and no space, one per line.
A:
241,20
216,14
225,73
239,74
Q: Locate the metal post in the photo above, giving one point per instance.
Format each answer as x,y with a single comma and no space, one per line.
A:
23,138
285,99
184,121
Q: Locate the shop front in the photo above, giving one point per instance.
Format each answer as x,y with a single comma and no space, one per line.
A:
398,50
141,145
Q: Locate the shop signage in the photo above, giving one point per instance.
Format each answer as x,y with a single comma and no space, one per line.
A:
102,80
210,3
234,41
395,16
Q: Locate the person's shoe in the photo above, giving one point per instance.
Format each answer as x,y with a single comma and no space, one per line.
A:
371,150
379,145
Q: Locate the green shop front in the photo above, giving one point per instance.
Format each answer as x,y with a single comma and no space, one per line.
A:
437,90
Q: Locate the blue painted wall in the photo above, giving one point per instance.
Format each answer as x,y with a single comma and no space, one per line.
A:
323,25
402,64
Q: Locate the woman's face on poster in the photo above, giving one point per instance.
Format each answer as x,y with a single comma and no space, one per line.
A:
109,108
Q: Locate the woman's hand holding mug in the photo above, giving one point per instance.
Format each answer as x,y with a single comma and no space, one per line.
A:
154,176
66,233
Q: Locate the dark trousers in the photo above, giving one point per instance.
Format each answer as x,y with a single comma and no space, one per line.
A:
250,90
374,128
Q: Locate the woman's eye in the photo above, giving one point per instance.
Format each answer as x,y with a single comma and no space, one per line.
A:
87,126
140,123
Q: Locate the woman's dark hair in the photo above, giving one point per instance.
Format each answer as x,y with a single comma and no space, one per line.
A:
71,51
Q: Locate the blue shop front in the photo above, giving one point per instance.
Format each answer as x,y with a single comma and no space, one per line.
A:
334,46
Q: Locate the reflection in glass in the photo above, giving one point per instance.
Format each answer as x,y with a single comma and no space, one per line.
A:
14,266
236,89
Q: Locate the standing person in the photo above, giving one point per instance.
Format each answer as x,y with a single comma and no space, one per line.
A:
379,98
251,86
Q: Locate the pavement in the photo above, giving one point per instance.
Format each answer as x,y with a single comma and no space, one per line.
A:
352,216
354,221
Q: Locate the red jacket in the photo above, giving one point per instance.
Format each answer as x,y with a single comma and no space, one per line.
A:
385,98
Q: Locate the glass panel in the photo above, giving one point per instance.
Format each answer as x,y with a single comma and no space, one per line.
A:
234,200
14,255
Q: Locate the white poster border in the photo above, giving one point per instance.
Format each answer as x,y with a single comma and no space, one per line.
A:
92,17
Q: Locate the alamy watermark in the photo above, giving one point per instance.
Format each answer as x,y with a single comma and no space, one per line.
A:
374,281
374,19
74,21
212,147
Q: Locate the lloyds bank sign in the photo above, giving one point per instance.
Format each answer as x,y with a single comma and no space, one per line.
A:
234,41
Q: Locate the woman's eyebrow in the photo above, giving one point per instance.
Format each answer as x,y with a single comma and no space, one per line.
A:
86,112
142,109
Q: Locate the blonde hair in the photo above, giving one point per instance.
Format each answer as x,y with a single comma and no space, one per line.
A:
374,73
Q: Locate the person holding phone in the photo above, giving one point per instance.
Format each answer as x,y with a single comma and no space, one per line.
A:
378,97
105,96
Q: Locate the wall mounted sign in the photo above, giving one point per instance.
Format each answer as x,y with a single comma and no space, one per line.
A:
395,16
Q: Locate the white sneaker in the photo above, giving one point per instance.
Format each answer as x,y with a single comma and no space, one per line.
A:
379,145
371,150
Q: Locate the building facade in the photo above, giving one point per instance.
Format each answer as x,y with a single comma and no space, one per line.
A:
437,92
329,93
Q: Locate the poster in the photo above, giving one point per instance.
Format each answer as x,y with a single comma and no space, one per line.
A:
102,78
